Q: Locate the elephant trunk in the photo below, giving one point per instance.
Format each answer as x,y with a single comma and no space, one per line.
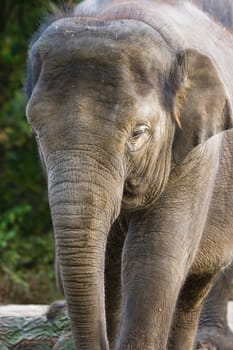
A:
83,207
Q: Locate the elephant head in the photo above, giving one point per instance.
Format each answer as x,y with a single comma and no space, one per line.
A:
113,109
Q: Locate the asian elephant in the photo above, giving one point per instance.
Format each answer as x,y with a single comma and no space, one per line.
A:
131,106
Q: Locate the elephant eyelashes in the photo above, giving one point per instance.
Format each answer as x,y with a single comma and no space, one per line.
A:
139,131
138,138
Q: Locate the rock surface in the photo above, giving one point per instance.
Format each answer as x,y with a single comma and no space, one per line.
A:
23,310
35,327
42,327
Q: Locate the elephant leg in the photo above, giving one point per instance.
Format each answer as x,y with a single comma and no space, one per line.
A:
159,250
188,309
113,281
153,265
213,330
58,276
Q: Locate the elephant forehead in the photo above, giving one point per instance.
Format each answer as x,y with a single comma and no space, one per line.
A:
72,35
90,104
112,68
95,92
104,51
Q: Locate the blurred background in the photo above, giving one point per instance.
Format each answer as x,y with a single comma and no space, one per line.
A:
26,239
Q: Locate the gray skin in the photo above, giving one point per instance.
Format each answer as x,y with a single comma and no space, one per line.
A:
213,331
130,109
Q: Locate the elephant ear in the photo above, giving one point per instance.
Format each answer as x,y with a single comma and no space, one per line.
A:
201,106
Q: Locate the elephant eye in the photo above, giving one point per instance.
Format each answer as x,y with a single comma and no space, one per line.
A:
139,131
138,137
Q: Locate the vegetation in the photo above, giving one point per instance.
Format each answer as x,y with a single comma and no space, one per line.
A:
26,241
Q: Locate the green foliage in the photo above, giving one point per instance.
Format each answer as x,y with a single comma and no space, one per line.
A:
26,242
26,259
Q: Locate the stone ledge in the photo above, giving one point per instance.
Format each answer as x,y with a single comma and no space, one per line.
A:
37,327
23,310
42,327
39,310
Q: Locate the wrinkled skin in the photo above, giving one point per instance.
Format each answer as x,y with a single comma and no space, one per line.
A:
214,332
213,328
130,108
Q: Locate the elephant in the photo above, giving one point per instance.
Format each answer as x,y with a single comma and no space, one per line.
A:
131,107
213,330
